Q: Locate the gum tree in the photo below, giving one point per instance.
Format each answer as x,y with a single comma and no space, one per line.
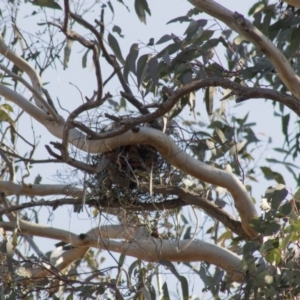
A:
139,160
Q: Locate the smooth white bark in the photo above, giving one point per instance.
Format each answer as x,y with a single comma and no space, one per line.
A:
145,248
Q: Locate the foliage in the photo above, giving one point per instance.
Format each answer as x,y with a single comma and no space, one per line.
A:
155,190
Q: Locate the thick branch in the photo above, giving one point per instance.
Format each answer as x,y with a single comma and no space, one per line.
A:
239,24
146,248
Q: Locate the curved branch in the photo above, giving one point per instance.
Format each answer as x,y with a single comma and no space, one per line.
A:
145,248
239,24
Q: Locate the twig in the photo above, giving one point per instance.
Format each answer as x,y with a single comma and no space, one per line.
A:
67,15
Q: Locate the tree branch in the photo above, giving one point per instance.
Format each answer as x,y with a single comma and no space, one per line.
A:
145,248
239,24
10,188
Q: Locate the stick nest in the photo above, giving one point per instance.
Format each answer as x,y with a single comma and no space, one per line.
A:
131,172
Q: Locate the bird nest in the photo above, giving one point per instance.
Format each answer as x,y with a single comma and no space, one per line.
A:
130,173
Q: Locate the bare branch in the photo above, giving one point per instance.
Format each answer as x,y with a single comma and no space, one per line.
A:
67,15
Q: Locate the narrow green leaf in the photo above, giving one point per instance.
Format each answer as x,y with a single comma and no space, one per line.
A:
141,68
180,19
285,125
38,179
209,99
7,107
13,134
164,38
46,3
166,58
130,63
141,8
268,173
84,58
111,7
286,208
67,52
182,279
166,295
114,45
153,70
4,116
9,255
122,259
118,30
132,267
187,234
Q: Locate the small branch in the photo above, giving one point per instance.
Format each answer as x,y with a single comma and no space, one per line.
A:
49,100
67,15
69,122
111,76
102,135
91,169
32,161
